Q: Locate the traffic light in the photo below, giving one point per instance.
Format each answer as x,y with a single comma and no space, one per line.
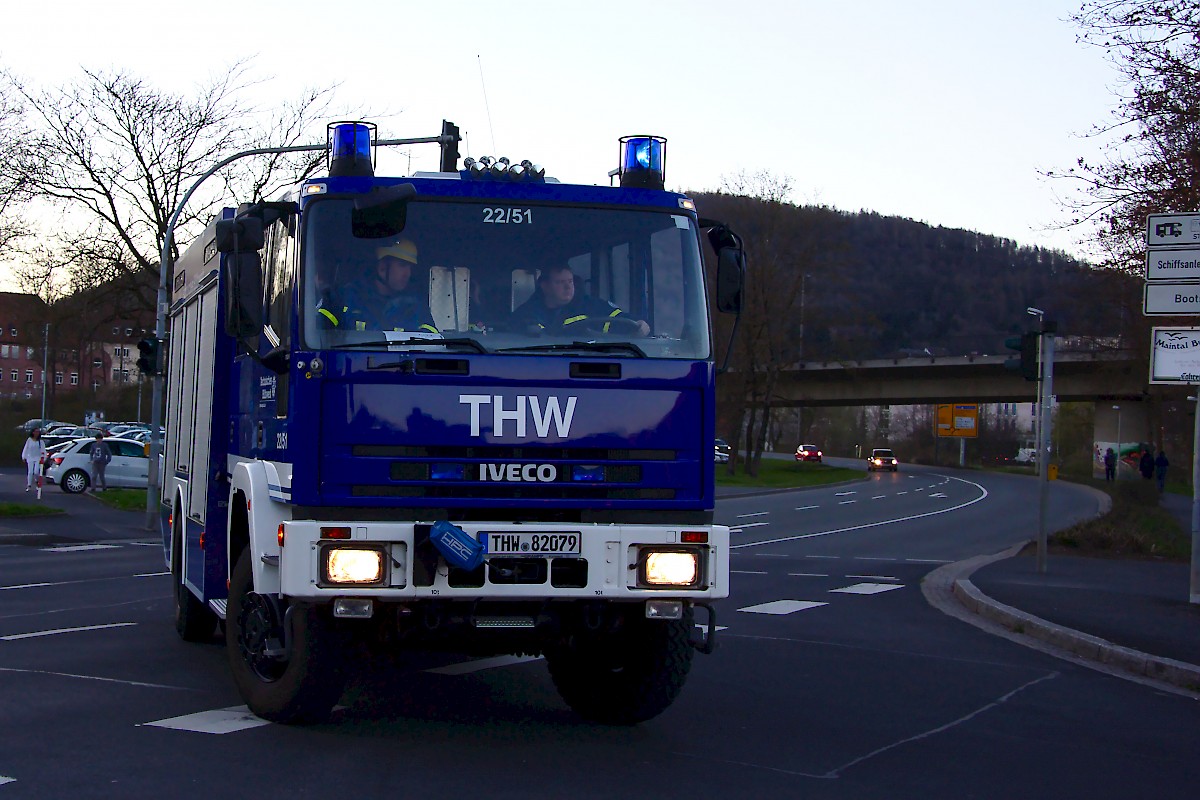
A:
1027,362
450,148
148,363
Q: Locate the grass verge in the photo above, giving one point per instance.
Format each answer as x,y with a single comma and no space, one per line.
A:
27,510
1135,527
780,474
123,499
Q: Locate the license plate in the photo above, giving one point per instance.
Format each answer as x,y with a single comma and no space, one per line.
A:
505,544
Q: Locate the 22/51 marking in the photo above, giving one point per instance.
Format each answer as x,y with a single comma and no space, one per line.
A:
505,216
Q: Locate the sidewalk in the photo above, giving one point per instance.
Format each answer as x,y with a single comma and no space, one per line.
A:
86,519
1129,614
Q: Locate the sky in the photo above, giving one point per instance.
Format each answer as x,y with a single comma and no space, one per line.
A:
942,111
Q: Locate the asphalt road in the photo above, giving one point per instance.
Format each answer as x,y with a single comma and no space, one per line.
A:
833,678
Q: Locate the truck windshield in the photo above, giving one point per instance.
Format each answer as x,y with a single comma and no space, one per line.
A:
514,279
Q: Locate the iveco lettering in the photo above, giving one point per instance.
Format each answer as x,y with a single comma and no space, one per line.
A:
467,410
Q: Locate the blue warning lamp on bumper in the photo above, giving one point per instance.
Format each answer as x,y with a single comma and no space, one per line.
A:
643,161
349,148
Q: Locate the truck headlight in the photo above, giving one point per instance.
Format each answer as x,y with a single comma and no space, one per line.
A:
352,565
675,567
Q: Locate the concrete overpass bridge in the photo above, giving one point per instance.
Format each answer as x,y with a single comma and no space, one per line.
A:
1078,376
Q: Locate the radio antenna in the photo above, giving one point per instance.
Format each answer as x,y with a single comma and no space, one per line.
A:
486,106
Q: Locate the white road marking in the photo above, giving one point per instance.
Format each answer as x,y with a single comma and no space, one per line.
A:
937,494
846,502
717,628
755,514
867,588
5,779
752,525
806,508
150,574
780,607
466,667
24,586
78,548
772,555
843,494
928,561
746,572
94,678
875,558
874,577
822,556
879,497
808,575
948,509
219,721
14,637
144,544
904,492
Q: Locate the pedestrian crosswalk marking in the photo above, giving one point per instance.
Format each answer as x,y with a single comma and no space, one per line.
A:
779,607
867,588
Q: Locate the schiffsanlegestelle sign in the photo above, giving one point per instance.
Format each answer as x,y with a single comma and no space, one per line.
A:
1175,355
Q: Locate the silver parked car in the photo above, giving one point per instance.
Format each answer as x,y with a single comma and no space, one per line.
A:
70,467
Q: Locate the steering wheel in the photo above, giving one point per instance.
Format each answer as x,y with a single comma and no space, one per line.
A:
617,326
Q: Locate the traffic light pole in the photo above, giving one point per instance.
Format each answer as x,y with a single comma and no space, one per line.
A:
1045,394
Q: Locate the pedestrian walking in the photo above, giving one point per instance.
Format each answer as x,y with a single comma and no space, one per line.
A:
1146,465
1110,465
101,455
1160,470
33,454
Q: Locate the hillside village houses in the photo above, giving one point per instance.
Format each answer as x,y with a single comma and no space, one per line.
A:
70,341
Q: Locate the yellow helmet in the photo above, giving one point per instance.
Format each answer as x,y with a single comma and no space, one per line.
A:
404,250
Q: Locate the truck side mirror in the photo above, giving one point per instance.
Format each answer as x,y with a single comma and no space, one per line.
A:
382,213
731,279
243,295
240,235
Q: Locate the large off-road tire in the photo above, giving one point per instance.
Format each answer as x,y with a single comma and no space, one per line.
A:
625,676
298,689
194,621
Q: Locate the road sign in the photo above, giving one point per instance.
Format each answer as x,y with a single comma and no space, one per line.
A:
1175,356
1173,265
958,420
1172,299
1173,230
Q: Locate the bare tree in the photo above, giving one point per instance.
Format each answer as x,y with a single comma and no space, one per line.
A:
14,190
781,254
113,155
1152,161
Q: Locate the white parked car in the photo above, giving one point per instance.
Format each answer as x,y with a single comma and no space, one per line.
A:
71,467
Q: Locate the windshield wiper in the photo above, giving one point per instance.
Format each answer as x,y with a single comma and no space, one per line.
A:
599,347
465,341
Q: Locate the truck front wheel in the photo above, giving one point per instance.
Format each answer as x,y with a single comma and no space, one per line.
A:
627,675
298,687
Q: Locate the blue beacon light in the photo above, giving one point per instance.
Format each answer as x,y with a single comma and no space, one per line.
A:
350,151
642,161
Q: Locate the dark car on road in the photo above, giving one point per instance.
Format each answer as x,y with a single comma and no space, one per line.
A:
721,451
808,452
882,458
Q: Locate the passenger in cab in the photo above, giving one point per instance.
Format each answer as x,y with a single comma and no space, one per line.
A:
555,306
384,300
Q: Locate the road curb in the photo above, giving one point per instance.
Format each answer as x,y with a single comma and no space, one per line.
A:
953,581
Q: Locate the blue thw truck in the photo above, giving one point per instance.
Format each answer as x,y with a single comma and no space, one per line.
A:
333,485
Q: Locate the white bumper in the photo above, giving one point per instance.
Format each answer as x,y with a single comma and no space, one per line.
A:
611,553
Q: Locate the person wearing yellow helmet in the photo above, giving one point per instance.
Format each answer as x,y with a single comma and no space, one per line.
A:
384,299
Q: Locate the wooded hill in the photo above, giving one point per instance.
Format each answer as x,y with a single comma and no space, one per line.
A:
876,286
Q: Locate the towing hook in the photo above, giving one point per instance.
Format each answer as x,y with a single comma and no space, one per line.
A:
708,643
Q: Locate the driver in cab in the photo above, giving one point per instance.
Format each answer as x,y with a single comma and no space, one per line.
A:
556,306
383,299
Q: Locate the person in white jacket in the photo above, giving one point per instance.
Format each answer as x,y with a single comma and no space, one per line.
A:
32,453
